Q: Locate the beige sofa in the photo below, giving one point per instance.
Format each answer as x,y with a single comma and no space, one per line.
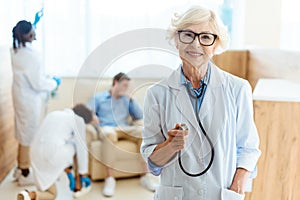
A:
125,153
128,160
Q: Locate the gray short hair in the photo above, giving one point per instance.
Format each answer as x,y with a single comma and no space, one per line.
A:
196,15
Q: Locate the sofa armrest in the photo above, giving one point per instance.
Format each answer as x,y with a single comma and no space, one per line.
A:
138,122
91,134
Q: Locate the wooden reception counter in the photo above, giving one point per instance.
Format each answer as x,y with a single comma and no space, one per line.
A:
277,117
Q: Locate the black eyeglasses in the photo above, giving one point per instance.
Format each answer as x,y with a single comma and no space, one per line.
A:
188,37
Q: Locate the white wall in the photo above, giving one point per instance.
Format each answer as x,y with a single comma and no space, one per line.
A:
262,23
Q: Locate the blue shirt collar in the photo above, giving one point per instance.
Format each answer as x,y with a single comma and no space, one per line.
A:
107,94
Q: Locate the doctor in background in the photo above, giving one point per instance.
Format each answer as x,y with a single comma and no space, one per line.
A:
214,154
29,89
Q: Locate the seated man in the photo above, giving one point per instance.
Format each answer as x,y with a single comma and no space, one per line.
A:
113,108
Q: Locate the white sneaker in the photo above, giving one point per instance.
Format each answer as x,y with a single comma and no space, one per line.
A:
149,182
17,173
23,195
109,186
25,181
82,192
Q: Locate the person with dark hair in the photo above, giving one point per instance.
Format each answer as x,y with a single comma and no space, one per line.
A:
59,144
113,108
29,90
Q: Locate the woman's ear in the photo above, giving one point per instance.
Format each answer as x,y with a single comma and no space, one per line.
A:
215,47
176,42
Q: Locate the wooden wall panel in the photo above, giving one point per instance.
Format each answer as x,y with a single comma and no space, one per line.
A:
234,62
8,144
273,63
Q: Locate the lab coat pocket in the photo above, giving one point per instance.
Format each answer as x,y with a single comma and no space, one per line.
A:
227,194
168,192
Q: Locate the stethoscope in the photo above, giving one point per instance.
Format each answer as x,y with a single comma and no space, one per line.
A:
204,133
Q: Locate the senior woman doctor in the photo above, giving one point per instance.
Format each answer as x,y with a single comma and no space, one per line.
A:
214,158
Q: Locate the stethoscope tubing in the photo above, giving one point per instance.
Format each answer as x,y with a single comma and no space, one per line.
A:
204,133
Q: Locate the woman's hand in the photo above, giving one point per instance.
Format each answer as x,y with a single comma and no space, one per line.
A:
166,150
85,181
176,138
239,180
72,181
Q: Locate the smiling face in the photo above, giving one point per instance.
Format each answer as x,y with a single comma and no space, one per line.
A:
196,54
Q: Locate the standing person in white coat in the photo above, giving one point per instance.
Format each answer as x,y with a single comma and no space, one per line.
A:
61,136
29,89
215,153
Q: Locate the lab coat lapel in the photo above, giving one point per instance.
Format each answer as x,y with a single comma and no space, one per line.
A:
184,105
212,108
214,85
183,102
208,103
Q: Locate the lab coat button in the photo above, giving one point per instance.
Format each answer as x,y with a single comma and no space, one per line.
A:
200,192
175,198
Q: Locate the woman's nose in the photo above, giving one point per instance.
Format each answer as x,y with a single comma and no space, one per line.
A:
196,43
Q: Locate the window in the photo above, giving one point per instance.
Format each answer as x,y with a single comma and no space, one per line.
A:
89,23
71,30
290,25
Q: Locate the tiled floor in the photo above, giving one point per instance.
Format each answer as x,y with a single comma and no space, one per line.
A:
125,189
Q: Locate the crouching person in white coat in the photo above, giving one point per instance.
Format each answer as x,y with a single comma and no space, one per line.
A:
60,138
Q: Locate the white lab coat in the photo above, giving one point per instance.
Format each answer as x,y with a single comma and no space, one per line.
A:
29,89
227,116
60,136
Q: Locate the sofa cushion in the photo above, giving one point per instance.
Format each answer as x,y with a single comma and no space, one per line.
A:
123,150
